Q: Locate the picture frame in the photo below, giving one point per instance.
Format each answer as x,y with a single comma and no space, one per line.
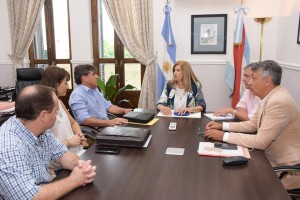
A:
298,35
209,34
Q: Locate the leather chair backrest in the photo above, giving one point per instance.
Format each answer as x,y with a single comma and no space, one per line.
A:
28,76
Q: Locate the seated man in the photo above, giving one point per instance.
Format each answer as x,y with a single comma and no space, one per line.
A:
28,147
274,127
87,103
247,105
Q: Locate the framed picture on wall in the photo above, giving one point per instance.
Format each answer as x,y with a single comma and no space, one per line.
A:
298,36
209,34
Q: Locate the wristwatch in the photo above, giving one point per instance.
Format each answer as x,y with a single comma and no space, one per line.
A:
234,111
68,143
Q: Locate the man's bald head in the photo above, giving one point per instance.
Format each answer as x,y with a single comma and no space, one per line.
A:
32,100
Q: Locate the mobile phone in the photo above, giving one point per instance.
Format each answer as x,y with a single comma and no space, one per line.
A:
225,146
235,160
108,150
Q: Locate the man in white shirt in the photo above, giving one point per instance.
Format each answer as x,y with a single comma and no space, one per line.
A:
247,105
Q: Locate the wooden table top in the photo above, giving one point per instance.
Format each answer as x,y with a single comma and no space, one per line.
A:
148,173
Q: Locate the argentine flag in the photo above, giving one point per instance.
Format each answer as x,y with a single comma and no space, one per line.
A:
238,58
169,55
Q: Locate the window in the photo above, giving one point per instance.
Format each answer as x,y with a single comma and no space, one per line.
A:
110,56
51,43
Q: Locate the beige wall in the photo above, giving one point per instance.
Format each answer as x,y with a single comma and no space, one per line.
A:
279,40
288,51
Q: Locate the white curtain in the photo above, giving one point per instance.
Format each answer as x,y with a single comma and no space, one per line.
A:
133,22
23,16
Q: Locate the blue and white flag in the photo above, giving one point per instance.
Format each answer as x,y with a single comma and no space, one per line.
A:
238,58
169,56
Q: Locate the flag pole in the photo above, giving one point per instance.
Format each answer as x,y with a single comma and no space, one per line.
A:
164,72
240,57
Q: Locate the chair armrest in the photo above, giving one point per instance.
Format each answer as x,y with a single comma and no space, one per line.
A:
111,116
283,171
90,131
286,168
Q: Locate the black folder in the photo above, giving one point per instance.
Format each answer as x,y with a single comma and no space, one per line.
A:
122,136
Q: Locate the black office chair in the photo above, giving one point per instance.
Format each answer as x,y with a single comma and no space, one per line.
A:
90,131
28,76
284,170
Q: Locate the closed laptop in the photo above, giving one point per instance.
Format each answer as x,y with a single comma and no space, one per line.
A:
139,117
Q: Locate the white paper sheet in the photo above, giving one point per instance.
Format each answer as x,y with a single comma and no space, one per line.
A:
175,151
147,142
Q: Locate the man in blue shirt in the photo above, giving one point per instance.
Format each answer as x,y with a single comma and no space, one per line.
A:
28,147
87,103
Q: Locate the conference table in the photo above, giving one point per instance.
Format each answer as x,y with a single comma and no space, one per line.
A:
148,173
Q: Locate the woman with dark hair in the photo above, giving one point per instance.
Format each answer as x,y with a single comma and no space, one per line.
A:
183,93
66,129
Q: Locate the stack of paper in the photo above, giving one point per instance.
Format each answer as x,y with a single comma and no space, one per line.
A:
208,149
216,118
7,111
7,108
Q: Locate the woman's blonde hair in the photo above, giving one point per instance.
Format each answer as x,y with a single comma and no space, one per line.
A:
187,75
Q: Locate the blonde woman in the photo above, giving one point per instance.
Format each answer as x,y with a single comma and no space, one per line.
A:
183,93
